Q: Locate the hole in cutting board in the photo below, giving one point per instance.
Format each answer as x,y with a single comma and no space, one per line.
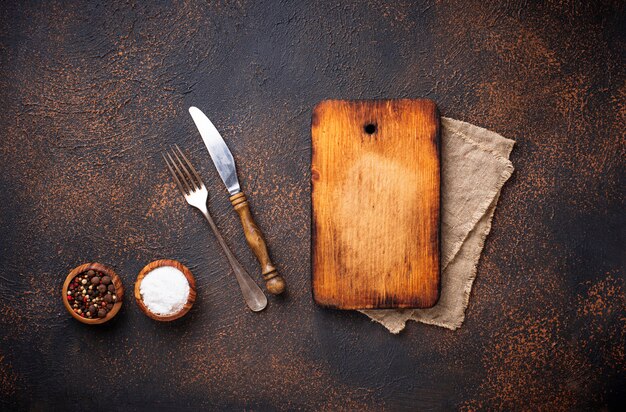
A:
370,128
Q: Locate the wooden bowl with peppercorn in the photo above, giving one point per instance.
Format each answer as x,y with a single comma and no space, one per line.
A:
165,290
93,293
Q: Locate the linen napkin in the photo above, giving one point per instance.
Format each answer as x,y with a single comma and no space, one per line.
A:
475,165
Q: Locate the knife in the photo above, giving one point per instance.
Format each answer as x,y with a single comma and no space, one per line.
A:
225,165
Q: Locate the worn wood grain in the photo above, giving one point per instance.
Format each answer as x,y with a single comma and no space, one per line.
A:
274,283
375,202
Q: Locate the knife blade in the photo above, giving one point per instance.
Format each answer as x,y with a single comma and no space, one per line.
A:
221,156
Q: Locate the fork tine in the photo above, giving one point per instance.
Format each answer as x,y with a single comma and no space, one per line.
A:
176,179
193,169
181,176
188,176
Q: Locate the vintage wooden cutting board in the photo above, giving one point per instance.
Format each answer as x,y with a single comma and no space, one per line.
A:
376,200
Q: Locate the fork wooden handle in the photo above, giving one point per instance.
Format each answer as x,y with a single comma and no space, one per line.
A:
274,283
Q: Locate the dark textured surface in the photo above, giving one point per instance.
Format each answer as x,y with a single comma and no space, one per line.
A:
91,92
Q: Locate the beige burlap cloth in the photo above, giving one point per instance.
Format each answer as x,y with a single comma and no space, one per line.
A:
475,166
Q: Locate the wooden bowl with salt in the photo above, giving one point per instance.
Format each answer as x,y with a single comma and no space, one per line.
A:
159,264
119,292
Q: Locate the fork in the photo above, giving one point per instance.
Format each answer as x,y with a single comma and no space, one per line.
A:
196,194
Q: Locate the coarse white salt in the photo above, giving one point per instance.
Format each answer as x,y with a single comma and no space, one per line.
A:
164,290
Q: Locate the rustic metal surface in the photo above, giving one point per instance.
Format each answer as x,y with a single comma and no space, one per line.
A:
91,92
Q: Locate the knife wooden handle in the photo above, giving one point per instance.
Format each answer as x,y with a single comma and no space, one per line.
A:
274,283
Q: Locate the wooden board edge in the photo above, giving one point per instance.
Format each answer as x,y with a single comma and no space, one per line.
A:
440,159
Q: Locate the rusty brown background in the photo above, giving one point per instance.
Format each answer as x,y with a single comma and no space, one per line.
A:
91,92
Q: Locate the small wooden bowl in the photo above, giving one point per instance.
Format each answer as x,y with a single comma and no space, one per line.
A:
119,292
192,289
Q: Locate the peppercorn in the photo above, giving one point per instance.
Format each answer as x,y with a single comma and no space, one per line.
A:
91,294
